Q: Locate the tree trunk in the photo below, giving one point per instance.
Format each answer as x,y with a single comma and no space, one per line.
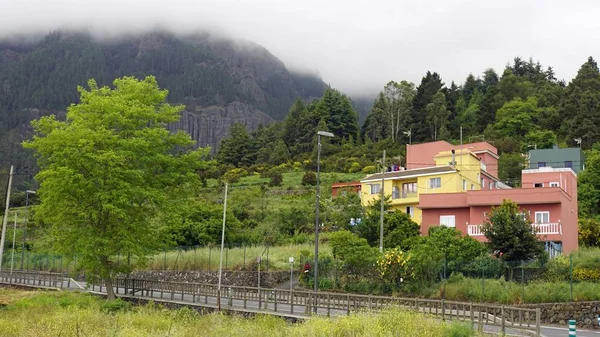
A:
110,292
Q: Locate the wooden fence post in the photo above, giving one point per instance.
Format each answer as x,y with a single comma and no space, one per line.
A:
503,320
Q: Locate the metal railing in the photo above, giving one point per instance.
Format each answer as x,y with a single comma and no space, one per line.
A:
292,302
538,228
32,278
302,303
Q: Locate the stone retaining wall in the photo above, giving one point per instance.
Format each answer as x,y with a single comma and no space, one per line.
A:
235,278
585,313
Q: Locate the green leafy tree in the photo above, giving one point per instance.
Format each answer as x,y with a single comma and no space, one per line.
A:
517,118
589,232
510,233
398,229
358,257
376,125
279,153
511,87
430,85
344,207
468,114
588,185
580,108
236,149
510,166
398,98
109,170
340,116
471,86
309,179
539,139
437,116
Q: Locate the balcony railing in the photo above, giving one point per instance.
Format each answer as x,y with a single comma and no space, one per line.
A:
403,195
474,230
539,228
548,228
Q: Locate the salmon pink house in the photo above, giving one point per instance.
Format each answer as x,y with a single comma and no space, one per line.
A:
548,197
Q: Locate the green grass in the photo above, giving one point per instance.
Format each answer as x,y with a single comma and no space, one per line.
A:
233,258
73,314
500,291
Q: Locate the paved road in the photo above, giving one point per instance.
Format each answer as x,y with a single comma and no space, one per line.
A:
548,331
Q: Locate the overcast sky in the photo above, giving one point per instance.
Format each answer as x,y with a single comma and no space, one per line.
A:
355,45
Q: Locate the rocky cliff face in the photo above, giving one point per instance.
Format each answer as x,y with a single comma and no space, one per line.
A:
221,81
209,125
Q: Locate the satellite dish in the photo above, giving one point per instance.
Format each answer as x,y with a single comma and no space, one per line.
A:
577,140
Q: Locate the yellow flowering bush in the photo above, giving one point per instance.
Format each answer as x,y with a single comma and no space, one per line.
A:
392,266
586,274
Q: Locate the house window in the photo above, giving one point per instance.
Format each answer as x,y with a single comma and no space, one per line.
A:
538,185
482,183
395,192
524,215
472,187
447,220
541,164
435,182
478,177
554,184
408,188
464,185
375,188
410,211
568,164
542,217
491,185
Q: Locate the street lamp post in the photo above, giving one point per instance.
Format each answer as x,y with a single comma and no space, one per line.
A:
316,267
25,228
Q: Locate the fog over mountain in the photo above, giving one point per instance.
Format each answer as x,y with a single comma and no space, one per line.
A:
356,46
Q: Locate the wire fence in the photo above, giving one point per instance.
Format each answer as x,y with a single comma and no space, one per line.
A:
205,257
574,277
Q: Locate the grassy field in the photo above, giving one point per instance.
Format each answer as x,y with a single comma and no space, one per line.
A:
500,291
205,258
40,314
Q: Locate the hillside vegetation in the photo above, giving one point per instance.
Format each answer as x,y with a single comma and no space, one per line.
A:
221,81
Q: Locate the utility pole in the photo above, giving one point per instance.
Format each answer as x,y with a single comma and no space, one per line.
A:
4,222
222,244
382,202
12,253
26,222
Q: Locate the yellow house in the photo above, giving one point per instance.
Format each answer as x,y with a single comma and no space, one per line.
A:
454,172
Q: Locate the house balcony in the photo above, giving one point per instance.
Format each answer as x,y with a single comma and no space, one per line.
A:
537,228
401,197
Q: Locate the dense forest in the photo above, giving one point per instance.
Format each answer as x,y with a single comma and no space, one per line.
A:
525,107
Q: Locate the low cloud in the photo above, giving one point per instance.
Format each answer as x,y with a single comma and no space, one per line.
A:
356,46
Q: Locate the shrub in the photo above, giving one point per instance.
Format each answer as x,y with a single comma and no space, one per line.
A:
586,274
276,178
354,167
455,329
309,179
369,169
557,269
589,232
234,175
392,266
115,305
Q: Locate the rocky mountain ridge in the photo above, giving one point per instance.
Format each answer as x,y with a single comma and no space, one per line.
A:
221,81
